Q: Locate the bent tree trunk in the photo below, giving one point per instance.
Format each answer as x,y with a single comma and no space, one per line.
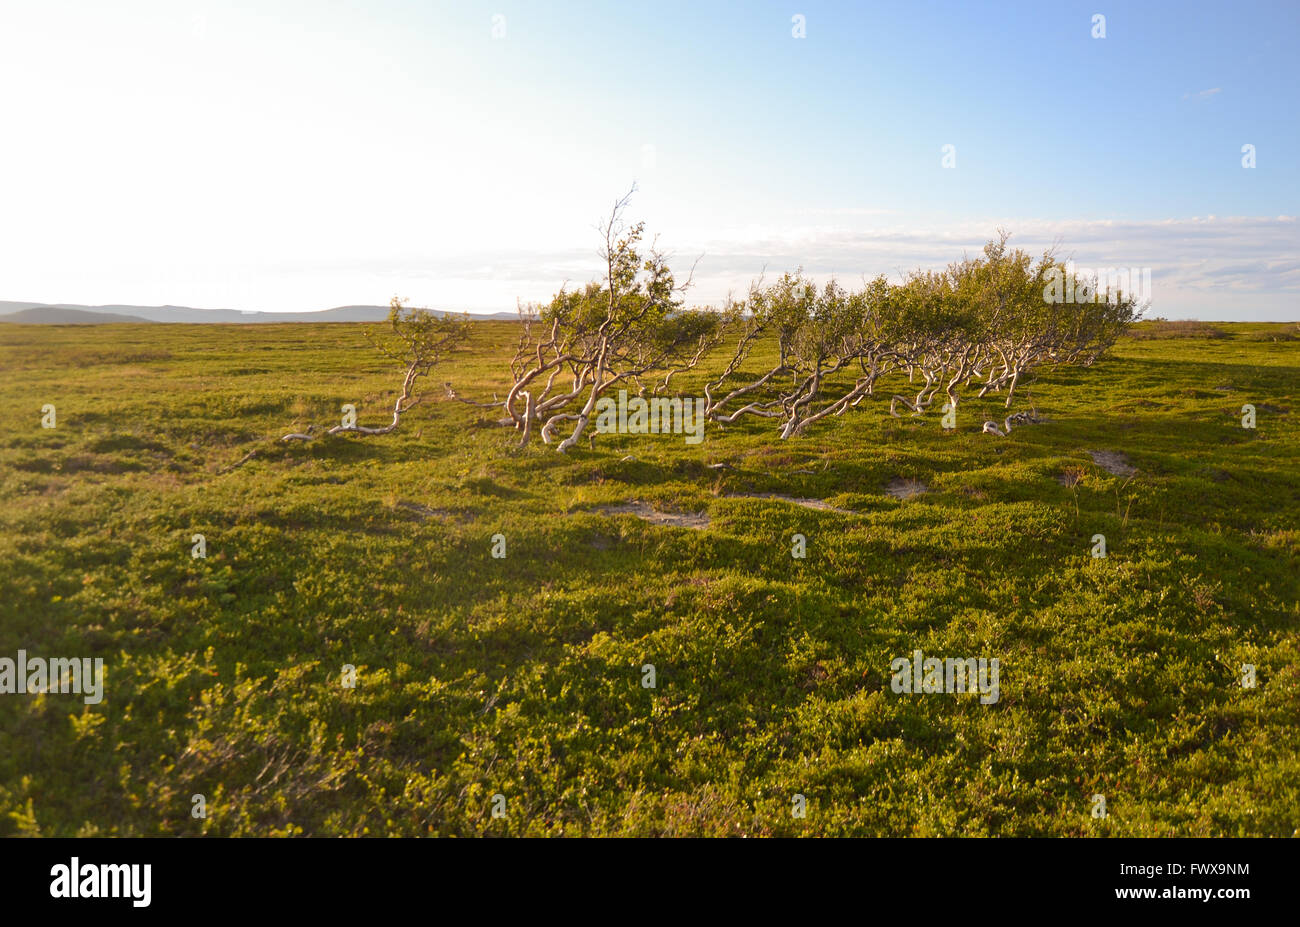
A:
1011,389
585,415
404,404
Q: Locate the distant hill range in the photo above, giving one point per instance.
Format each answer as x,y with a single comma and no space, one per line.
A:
57,315
62,314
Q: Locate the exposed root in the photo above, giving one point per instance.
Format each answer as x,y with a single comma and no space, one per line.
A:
239,463
1016,419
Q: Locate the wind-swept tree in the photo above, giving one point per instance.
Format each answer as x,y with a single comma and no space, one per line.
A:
937,330
1026,327
418,340
988,319
630,331
822,335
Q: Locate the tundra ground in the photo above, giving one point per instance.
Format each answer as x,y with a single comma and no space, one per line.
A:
522,676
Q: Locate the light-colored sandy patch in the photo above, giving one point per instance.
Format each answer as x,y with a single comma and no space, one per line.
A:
817,504
900,488
646,512
1113,462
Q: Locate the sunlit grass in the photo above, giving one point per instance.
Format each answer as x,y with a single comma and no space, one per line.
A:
523,676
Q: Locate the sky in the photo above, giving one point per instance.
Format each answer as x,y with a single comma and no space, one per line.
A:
284,156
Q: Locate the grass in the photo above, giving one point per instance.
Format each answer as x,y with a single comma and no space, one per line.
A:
523,676
1156,329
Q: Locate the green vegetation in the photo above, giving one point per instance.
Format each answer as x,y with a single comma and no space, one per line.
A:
988,321
522,676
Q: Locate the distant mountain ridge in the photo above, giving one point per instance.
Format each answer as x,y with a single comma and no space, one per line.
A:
71,314
57,315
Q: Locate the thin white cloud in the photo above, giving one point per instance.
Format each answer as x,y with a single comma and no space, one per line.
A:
1247,265
1210,267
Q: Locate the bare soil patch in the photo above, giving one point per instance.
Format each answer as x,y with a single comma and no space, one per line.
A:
817,504
901,488
1113,462
646,512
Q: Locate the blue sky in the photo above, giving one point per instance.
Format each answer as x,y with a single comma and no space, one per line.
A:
298,155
